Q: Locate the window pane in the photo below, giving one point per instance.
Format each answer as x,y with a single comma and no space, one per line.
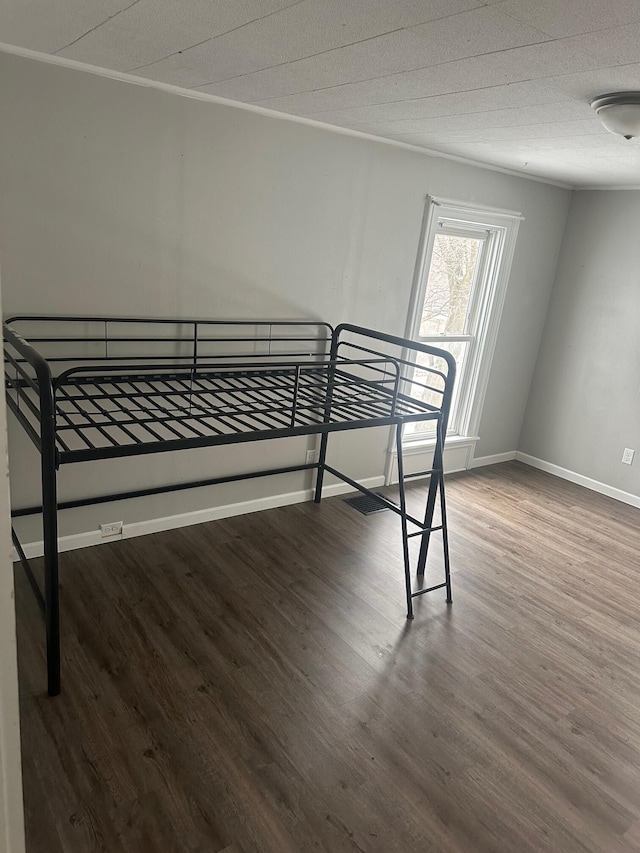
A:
458,350
448,292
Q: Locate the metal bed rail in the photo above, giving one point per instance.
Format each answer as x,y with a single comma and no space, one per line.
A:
102,340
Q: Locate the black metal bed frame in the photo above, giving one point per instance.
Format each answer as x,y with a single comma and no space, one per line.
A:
90,388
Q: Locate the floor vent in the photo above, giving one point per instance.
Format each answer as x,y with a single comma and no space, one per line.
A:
366,504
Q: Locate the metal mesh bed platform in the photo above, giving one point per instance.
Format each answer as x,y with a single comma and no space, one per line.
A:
115,414
91,388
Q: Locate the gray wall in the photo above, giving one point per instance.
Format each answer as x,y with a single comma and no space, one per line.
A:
584,406
120,199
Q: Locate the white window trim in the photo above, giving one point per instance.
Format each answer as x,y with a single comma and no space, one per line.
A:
505,221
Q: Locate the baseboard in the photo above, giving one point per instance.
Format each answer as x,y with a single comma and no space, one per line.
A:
493,460
171,522
580,479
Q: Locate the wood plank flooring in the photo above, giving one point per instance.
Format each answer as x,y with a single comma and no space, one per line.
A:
252,685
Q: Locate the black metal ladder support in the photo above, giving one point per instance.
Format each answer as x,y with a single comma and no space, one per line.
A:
426,528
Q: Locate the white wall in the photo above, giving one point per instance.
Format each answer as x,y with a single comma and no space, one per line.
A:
584,406
11,812
120,199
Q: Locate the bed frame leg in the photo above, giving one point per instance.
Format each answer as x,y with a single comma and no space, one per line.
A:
321,460
324,438
436,482
445,539
403,522
51,591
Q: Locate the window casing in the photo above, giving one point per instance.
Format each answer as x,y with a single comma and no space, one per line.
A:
463,267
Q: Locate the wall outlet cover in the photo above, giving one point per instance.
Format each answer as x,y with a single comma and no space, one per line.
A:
113,528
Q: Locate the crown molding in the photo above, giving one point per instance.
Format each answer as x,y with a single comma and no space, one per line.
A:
124,77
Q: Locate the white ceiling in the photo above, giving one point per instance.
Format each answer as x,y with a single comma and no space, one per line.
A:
503,82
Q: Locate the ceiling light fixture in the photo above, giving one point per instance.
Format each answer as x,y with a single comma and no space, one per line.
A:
619,112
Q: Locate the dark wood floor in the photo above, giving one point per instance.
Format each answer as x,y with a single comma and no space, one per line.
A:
252,684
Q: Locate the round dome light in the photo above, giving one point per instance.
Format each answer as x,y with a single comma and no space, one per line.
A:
619,113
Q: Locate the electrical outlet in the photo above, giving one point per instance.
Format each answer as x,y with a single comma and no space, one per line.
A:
312,457
627,456
114,528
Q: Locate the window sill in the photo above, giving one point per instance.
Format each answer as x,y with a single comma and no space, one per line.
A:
458,454
410,448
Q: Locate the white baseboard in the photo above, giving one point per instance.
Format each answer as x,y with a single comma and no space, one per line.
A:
493,460
580,479
171,522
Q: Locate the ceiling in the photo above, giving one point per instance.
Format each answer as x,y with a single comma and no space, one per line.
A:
506,83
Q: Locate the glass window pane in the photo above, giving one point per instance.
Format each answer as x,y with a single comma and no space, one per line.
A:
458,350
448,292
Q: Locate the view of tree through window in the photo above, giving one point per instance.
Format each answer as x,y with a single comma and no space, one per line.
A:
448,295
451,276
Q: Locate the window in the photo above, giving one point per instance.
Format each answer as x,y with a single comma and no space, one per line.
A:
462,272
